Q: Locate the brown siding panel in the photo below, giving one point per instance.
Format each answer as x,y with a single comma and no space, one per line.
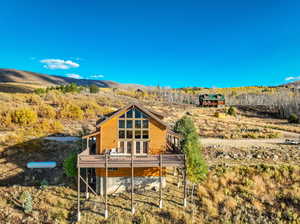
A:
109,139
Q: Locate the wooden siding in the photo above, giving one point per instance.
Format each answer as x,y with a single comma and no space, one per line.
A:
158,137
108,139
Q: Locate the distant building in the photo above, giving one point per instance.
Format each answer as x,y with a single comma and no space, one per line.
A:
211,100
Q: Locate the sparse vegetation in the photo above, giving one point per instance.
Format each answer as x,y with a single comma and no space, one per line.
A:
231,111
293,118
26,200
233,190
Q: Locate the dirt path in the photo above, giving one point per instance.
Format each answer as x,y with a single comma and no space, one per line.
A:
240,142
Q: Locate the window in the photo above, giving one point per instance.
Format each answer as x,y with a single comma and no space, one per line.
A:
133,124
129,114
145,147
138,124
129,134
121,123
133,132
129,147
145,123
145,135
138,134
121,148
128,124
138,114
121,134
138,148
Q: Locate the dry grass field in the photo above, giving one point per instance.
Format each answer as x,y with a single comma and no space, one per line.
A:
253,176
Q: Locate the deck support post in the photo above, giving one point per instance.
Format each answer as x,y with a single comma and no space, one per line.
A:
106,185
78,194
160,181
132,184
185,183
86,183
87,143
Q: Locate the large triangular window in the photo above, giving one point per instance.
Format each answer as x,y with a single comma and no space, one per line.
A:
133,132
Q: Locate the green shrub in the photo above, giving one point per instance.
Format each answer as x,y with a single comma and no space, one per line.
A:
293,118
24,116
40,91
94,89
70,165
26,201
231,111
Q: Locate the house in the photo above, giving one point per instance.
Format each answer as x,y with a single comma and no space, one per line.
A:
130,149
211,100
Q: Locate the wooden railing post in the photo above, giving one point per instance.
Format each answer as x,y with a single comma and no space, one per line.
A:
160,181
87,143
106,185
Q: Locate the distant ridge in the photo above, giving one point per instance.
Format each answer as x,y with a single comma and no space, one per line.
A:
13,76
295,84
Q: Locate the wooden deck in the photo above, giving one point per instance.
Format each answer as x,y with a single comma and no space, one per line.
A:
122,161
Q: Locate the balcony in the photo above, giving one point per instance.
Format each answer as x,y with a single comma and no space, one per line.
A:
85,160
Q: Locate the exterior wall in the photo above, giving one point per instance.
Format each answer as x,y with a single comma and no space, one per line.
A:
121,184
108,139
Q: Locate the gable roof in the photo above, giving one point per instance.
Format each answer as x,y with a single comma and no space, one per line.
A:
124,109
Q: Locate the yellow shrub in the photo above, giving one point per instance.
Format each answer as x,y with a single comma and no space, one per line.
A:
46,111
71,111
24,116
220,115
90,108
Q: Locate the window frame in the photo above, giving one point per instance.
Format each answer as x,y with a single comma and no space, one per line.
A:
143,118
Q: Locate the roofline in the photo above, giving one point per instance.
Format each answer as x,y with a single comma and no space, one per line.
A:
152,115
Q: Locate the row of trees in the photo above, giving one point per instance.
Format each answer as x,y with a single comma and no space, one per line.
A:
69,88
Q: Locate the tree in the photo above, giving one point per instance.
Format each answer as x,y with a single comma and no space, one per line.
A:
94,88
196,167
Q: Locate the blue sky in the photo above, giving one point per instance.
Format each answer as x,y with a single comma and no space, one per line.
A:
170,43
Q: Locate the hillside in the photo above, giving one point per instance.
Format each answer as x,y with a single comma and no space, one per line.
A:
23,81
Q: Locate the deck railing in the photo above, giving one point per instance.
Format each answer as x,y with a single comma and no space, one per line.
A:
121,161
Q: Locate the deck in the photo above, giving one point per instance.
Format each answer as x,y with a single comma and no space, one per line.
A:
86,160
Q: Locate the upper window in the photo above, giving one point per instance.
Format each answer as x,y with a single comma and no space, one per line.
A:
134,124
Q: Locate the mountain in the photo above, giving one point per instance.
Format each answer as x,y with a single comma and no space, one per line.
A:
12,80
32,78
